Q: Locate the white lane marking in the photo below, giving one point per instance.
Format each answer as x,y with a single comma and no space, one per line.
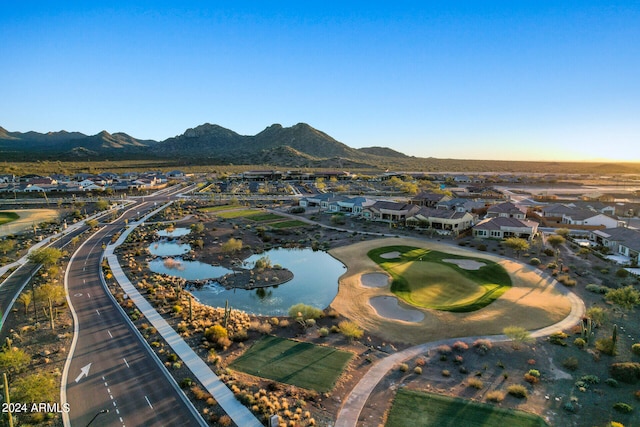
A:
109,332
88,295
125,362
97,312
148,402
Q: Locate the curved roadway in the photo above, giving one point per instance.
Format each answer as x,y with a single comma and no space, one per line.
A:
109,366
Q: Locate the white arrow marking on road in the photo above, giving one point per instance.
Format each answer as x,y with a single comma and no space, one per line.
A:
83,372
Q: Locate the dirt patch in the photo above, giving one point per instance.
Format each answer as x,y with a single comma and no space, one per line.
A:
532,302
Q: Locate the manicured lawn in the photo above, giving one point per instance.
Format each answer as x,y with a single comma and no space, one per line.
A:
414,408
264,217
297,363
218,208
236,214
422,278
6,217
288,224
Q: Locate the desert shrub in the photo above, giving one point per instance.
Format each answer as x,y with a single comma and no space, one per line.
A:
517,390
597,289
311,323
172,357
590,379
350,330
627,372
225,421
530,378
215,332
323,332
635,349
446,373
417,370
305,311
264,328
597,314
403,367
240,335
495,396
482,346
622,273
571,363
622,407
606,346
534,261
579,342
566,280
482,247
612,383
443,349
475,383
460,346
558,338
549,252
552,266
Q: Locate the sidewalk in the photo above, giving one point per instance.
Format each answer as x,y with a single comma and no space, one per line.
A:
221,393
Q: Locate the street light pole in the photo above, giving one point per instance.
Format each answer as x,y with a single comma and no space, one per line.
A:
104,411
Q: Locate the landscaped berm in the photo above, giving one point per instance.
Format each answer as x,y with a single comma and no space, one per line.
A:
437,291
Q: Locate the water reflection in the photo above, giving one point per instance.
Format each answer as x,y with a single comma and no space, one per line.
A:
315,282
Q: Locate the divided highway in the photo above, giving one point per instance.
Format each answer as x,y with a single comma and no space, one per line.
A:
110,368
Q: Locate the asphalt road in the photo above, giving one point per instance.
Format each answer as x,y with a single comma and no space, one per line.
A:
111,368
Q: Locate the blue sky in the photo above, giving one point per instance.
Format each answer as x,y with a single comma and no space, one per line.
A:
521,80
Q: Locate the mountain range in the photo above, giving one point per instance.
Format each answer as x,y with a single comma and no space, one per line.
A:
296,146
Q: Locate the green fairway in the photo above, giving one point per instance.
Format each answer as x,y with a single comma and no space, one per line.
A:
422,278
298,363
414,408
6,217
288,224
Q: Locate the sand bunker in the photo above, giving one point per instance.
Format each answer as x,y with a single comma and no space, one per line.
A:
390,255
387,306
374,280
466,264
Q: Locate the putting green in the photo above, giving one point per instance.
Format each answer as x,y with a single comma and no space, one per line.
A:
422,278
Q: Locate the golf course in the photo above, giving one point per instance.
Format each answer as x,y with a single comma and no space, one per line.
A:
441,281
436,290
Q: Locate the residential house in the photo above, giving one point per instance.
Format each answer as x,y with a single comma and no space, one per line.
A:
503,227
589,218
620,241
429,198
441,219
389,211
506,210
349,205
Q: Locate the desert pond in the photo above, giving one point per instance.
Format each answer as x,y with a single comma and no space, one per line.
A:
315,281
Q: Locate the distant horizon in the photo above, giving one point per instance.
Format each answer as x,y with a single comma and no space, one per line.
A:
528,80
595,160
